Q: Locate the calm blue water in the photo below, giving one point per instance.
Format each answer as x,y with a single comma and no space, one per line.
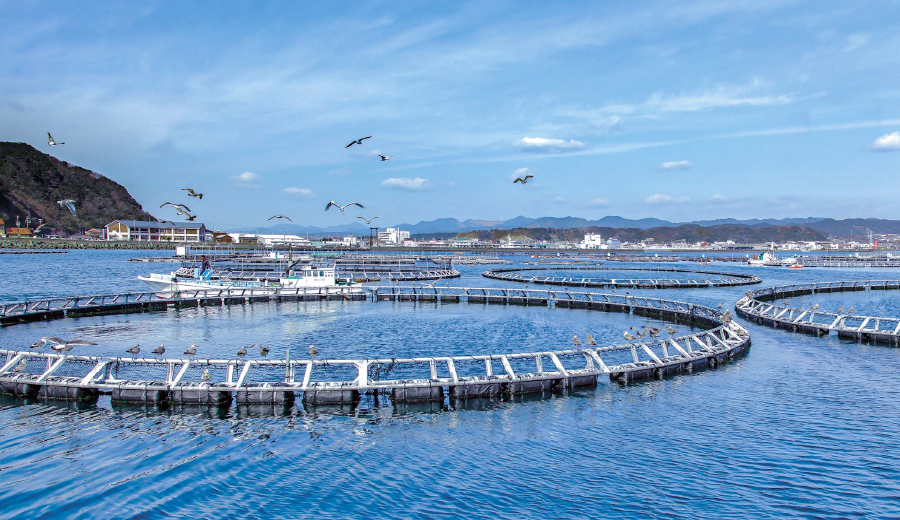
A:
800,427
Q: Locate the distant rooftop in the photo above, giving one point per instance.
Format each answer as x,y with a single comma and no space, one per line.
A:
158,225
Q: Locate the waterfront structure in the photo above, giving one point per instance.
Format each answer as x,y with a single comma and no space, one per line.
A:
18,232
613,243
392,236
145,231
283,240
592,241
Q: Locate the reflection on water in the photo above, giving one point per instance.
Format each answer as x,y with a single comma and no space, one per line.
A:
800,427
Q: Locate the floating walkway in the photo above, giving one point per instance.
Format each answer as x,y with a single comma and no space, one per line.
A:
756,306
723,280
340,381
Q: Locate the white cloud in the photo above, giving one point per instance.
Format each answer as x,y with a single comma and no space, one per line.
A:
676,165
404,183
719,198
246,177
721,96
520,173
886,143
659,198
304,192
598,202
544,145
855,41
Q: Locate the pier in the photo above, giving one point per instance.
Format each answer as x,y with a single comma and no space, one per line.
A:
722,280
756,306
340,381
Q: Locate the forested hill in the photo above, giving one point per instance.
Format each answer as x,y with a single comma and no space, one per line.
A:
31,182
689,233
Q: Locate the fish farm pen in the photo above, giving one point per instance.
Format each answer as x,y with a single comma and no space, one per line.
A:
756,306
340,381
721,279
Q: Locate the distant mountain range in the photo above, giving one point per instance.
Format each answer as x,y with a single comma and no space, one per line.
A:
444,226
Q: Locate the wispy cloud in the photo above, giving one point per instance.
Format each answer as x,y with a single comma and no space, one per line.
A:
659,198
545,145
598,202
855,41
719,198
520,173
886,143
404,183
246,177
303,192
339,172
676,165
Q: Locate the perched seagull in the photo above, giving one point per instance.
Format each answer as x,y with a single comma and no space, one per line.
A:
629,337
191,351
591,341
720,305
51,141
20,367
367,221
787,302
384,157
263,351
850,310
68,203
840,309
66,346
281,216
158,351
671,330
205,376
135,350
523,181
192,193
338,206
358,141
242,351
814,307
313,351
576,341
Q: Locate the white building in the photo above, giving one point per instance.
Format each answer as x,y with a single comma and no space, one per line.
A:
145,231
613,243
392,236
592,241
283,240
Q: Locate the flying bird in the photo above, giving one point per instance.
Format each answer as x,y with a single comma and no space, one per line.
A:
179,207
281,216
384,157
66,346
192,193
191,351
165,222
523,180
313,351
367,220
591,341
68,203
160,350
338,206
191,218
51,141
358,141
43,341
576,341
135,350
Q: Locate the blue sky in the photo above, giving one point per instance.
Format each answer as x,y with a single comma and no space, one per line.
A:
683,111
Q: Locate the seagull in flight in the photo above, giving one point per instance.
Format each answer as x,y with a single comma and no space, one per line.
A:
338,206
68,203
45,340
358,141
384,157
192,193
281,216
165,222
367,220
66,346
51,141
523,180
180,208
191,218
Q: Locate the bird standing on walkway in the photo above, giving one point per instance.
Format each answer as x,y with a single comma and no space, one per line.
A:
850,310
628,336
135,350
159,351
591,341
814,307
671,330
313,351
338,206
51,141
787,302
242,351
357,141
576,341
263,351
191,351
840,309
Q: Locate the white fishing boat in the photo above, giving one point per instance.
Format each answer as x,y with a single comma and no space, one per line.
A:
770,259
192,279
